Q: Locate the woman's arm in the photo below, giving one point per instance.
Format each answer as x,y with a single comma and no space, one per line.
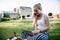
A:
43,28
34,24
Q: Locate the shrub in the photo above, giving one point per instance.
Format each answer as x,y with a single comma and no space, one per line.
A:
23,17
5,19
14,18
6,15
19,16
28,15
49,14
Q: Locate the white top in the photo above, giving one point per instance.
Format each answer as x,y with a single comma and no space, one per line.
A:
40,23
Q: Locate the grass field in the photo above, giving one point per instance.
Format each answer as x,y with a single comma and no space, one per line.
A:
8,27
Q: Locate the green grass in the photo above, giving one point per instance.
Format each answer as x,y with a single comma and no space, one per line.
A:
7,28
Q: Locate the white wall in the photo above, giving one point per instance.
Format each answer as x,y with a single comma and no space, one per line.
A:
26,11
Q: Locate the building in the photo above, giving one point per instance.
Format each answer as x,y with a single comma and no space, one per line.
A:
24,11
14,9
12,14
56,16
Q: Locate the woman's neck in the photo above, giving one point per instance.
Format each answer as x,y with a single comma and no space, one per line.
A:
40,17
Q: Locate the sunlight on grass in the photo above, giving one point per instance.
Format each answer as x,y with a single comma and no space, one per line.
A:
8,27
13,25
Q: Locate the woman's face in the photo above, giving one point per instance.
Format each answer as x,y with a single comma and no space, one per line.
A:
36,10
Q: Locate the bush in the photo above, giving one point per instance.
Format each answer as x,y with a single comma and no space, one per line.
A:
49,14
28,15
23,17
6,15
5,19
19,16
14,18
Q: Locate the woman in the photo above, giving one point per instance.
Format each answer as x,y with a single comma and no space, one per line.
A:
40,23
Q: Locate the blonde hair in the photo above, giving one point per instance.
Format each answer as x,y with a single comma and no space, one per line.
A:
38,6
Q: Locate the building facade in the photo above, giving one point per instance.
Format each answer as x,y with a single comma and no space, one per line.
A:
24,11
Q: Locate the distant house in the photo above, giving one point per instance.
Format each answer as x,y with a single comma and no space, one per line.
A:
24,11
12,14
56,16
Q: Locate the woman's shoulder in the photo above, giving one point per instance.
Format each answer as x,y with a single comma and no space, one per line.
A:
45,16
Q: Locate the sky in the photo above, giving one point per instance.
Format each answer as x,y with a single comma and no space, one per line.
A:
47,5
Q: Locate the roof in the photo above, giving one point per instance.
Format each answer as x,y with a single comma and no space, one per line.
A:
9,12
25,7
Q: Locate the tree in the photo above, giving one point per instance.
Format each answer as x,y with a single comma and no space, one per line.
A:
6,15
50,14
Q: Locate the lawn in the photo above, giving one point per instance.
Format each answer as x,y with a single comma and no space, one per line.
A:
8,27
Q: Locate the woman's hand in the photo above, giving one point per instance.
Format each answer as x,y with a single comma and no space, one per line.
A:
33,24
35,31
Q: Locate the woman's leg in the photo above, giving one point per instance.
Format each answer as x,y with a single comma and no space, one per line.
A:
39,36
